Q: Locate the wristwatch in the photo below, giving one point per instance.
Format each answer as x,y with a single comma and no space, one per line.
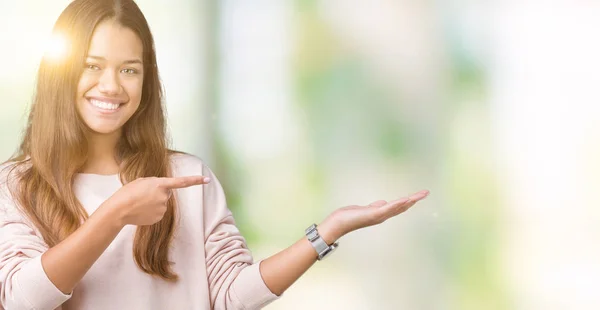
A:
322,248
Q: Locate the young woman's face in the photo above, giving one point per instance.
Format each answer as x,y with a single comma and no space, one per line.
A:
110,87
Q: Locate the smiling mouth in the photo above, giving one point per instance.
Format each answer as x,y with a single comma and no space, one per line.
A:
105,107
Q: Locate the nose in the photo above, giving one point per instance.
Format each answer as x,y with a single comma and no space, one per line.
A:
109,83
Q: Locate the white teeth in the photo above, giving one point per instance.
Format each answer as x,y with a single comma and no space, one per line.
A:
104,105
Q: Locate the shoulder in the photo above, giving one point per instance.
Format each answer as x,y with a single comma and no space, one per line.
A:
186,164
5,170
9,175
10,172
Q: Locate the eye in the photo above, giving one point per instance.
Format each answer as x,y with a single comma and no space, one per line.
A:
129,71
91,67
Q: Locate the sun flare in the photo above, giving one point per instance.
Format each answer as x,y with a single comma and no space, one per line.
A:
56,47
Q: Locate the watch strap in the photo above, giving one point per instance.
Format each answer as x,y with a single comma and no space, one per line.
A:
322,248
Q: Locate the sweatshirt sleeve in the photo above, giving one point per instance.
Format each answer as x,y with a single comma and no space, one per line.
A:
23,281
234,281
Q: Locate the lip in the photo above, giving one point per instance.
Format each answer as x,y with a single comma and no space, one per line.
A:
109,100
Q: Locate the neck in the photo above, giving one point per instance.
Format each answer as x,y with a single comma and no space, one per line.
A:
101,154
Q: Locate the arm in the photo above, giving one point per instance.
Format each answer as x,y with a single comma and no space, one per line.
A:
281,270
67,262
234,280
35,277
236,283
23,283
141,202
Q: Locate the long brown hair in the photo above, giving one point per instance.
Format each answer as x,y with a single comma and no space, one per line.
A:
54,147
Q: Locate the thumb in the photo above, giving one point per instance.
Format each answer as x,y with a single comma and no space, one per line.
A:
378,203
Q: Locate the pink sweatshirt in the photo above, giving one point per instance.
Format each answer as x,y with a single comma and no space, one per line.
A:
214,265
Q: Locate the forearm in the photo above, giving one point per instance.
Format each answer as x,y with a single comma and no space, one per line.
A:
281,270
67,262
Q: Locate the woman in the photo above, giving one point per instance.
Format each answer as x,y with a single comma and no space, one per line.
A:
97,213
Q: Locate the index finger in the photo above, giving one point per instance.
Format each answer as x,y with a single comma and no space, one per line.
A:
418,195
182,182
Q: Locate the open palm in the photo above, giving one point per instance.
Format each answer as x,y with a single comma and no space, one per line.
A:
353,217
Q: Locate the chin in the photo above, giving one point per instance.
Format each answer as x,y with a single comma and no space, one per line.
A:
104,130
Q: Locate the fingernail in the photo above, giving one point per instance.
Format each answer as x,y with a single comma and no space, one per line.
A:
206,180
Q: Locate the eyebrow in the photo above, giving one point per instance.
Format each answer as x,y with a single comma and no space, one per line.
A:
131,61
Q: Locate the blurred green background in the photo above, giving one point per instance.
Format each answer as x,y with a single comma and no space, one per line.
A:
304,106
